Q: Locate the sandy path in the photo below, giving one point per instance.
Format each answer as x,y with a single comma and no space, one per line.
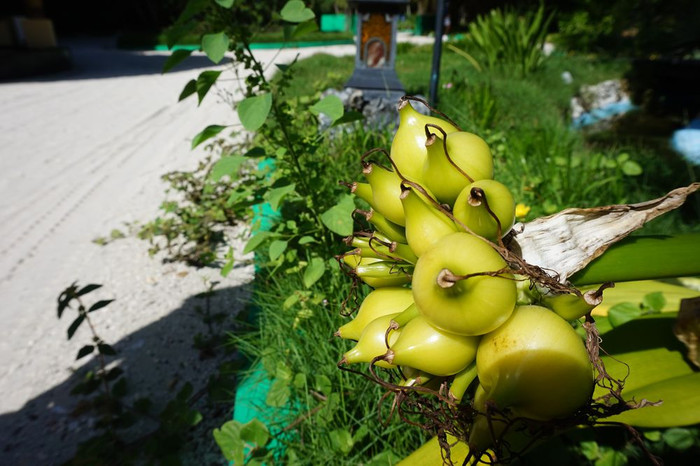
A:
82,153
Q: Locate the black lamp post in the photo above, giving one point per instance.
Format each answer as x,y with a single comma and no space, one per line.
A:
375,57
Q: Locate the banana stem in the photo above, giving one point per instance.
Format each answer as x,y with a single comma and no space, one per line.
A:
461,382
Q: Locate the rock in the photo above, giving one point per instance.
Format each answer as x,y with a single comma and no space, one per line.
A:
600,103
377,108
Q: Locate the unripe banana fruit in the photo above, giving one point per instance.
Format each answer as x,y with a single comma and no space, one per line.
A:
455,300
536,365
373,343
428,349
386,189
474,202
408,147
425,223
378,303
468,152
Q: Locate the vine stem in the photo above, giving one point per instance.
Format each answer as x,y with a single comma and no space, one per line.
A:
259,71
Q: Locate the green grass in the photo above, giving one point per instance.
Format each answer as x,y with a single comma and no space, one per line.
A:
326,403
548,165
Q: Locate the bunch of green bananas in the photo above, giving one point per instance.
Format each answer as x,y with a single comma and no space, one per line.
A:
446,308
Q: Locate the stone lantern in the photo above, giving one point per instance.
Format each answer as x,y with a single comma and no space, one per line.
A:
375,57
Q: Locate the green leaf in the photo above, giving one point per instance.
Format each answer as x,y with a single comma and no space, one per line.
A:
645,351
74,326
589,449
225,3
342,440
680,407
278,395
119,388
323,384
306,240
314,271
302,29
296,12
255,432
611,457
623,312
679,438
655,301
227,268
205,81
189,89
275,196
291,300
253,111
255,241
207,133
226,166
338,218
175,58
215,46
631,168
114,373
349,117
277,248
99,305
106,349
87,289
255,152
300,380
283,372
84,351
228,437
330,105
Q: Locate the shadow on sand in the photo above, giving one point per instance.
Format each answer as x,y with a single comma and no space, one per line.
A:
158,360
95,59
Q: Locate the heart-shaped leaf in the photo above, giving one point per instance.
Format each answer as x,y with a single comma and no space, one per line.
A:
228,437
253,111
314,271
330,105
226,166
296,12
215,46
255,433
338,218
225,3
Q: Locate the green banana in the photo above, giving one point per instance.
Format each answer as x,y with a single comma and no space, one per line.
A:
408,150
386,189
471,161
379,302
425,223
